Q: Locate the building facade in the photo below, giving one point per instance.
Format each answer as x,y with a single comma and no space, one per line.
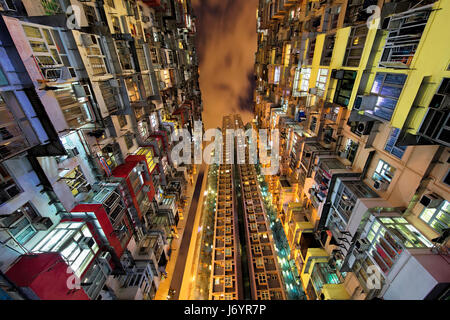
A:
359,93
91,92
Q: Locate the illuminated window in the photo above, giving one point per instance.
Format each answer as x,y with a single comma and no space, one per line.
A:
391,147
19,223
388,87
276,78
321,82
437,218
76,181
383,171
8,188
306,74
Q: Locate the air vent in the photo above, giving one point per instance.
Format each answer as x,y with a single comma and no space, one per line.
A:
431,200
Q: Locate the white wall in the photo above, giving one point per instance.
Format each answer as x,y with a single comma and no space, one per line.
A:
412,283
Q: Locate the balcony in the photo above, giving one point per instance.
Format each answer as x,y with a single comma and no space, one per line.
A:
12,139
405,32
74,108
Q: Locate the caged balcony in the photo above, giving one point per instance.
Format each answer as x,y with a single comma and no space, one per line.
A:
404,34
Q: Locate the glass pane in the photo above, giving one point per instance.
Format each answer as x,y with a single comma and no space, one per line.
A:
48,37
26,235
32,32
38,46
427,214
19,226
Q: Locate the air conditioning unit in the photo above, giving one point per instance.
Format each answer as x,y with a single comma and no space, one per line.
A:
114,83
381,185
66,73
431,200
84,188
343,154
43,223
313,91
364,128
72,152
365,102
337,74
86,242
362,245
105,256
86,40
141,167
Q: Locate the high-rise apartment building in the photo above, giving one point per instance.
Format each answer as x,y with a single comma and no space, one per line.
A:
235,274
360,93
90,93
226,276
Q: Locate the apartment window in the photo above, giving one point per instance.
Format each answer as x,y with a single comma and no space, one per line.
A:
276,77
321,81
436,124
90,14
328,50
265,295
344,87
296,81
383,171
228,281
19,223
405,32
262,279
32,32
260,262
388,87
355,46
287,54
321,275
46,52
76,181
75,112
313,124
305,74
437,218
3,79
8,187
129,141
351,148
344,202
124,55
310,53
132,89
391,144
229,296
446,179
122,120
12,140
